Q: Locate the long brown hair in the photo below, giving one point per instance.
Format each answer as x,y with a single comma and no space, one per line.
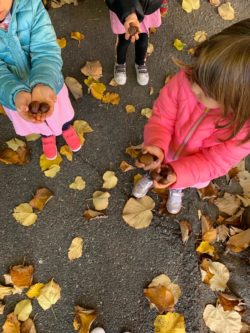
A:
222,70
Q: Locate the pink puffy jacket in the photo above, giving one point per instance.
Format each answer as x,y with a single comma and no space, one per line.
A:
186,131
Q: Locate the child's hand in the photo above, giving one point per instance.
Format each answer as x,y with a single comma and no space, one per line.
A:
171,179
45,94
155,151
22,101
132,20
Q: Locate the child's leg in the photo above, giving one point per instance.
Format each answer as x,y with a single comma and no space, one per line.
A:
71,137
141,46
120,66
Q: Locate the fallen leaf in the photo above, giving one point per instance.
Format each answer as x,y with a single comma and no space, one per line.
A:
239,242
169,323
66,151
220,321
179,45
239,167
20,156
111,98
209,233
5,291
90,214
190,5
151,91
52,171
153,30
217,274
46,164
186,230
62,42
28,326
110,180
124,166
137,177
49,295
211,191
235,219
226,11
230,302
89,81
134,151
78,184
93,69
81,127
15,143
32,137
228,204
222,233
137,212
245,200
147,112
11,325
244,180
34,290
24,215
205,247
2,306
83,319
113,83
150,49
130,108
77,35
100,200
59,3
214,2
75,249
22,276
97,90
234,231
200,36
191,51
74,86
23,309
41,197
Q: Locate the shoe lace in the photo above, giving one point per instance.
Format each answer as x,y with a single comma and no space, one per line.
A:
120,68
142,69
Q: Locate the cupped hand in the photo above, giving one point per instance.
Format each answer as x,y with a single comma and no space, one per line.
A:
155,151
171,179
132,20
22,101
42,93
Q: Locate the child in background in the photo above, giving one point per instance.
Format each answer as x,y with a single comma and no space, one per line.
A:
200,126
30,70
142,15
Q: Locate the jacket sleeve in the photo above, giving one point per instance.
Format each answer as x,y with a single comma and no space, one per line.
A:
123,8
160,127
10,85
209,163
46,61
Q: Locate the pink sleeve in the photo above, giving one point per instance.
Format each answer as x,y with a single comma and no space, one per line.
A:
209,163
160,127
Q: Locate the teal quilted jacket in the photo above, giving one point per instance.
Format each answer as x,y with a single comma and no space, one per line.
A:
29,53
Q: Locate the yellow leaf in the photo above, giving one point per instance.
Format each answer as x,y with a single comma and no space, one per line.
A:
74,86
24,215
147,112
137,212
79,184
83,319
2,110
90,214
77,35
5,291
239,242
150,49
97,90
52,171
28,326
226,12
19,157
113,83
220,321
200,36
22,276
49,295
46,164
209,233
169,323
137,177
214,2
89,81
190,5
42,196
32,137
215,274
75,249
23,309
34,290
111,98
101,200
124,166
110,180
81,127
2,306
205,247
62,42
134,151
66,151
15,143
11,325
93,69
186,230
179,45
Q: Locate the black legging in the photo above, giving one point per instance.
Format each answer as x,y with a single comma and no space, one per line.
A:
141,46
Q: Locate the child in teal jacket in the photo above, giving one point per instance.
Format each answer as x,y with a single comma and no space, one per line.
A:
30,70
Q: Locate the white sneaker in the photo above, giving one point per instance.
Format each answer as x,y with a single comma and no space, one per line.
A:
142,187
142,74
98,330
174,202
120,75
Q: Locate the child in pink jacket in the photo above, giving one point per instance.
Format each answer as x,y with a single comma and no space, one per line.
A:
200,125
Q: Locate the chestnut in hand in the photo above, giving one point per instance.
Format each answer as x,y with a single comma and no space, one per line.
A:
36,107
146,159
133,30
162,176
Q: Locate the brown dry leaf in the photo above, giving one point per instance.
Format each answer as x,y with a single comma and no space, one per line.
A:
32,137
28,326
234,231
34,290
230,302
228,204
235,219
74,86
190,5
162,293
66,151
214,2
20,156
77,35
93,69
111,98
209,233
24,215
191,51
75,249
220,321
100,200
245,200
226,11
49,295
153,30
169,323
46,164
6,291
90,214
134,151
186,230
78,184
137,213
205,247
245,328
239,167
62,42
200,36
130,108
110,180
59,3
22,276
239,242
124,166
113,83
83,319
23,309
81,127
41,197
11,325
244,180
2,306
147,112
15,143
150,49
211,191
222,233
151,91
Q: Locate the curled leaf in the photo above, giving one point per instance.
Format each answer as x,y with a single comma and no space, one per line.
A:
101,200
200,36
124,166
34,290
90,214
52,171
23,309
93,69
83,319
22,276
110,180
186,230
42,196
62,42
77,35
75,249
5,291
190,5
147,112
19,157
24,215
